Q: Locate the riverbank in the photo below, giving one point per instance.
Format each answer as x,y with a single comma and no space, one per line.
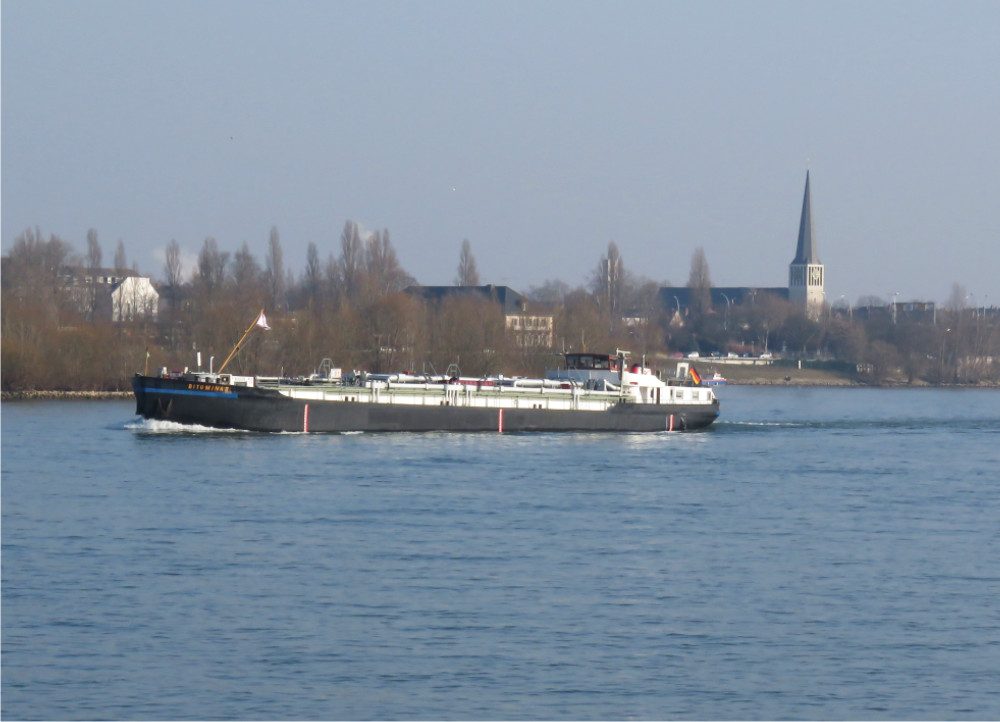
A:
747,376
35,395
775,375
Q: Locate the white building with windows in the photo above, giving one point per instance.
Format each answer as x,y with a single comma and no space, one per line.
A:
132,298
111,293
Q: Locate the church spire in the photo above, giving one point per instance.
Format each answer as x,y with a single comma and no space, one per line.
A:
805,253
805,273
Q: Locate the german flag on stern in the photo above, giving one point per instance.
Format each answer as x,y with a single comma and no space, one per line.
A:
695,376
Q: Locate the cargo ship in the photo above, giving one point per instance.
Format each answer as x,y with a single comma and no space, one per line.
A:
617,398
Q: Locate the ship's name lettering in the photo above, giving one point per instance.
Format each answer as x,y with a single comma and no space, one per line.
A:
207,387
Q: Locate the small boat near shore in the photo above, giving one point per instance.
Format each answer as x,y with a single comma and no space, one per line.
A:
608,396
717,379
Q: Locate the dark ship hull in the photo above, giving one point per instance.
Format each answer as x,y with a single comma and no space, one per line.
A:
189,401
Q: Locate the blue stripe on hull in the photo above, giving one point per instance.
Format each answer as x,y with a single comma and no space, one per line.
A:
187,392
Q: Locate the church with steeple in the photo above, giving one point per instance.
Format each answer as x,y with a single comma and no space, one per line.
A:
805,274
805,278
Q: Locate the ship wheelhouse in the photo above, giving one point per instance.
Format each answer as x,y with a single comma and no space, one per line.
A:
592,362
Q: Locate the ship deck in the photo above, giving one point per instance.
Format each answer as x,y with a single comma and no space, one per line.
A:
472,396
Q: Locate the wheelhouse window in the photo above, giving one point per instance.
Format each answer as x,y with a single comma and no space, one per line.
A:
591,362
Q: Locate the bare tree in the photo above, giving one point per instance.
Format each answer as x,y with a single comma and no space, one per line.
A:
801,334
94,253
957,297
313,278
94,256
172,273
34,265
391,328
765,316
700,283
551,291
468,274
882,359
870,301
582,323
212,265
383,273
121,260
33,347
275,270
332,280
847,340
351,259
469,331
246,269
172,269
608,282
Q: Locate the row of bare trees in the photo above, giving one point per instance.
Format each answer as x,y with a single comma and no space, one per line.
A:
49,340
352,307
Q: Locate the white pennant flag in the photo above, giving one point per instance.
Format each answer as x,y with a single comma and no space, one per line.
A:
262,322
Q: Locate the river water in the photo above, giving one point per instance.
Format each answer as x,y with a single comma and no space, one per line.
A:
820,553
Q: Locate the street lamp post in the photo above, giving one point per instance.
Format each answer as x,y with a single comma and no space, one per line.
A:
850,308
941,360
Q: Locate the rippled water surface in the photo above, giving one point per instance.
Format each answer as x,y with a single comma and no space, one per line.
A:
824,553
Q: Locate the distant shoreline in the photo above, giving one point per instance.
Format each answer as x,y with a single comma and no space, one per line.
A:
847,384
37,395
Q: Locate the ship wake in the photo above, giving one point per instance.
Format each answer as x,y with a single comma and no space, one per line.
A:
158,426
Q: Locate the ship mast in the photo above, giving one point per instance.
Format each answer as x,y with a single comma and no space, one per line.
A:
258,321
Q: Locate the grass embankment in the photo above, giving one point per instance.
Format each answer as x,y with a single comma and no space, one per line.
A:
772,375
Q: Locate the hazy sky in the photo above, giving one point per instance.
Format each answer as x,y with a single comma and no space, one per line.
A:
538,130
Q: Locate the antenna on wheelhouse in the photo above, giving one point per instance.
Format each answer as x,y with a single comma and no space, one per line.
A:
622,356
